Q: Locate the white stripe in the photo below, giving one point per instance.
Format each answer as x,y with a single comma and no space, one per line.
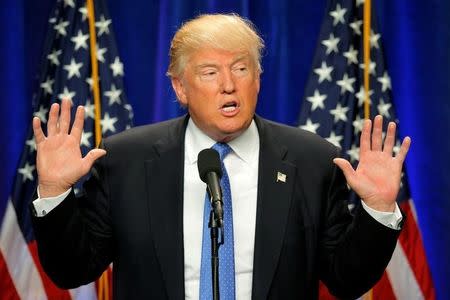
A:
18,258
84,292
413,210
401,276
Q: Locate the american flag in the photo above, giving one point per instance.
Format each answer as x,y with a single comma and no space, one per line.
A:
333,108
65,72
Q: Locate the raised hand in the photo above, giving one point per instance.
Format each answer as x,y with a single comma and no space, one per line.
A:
59,162
376,179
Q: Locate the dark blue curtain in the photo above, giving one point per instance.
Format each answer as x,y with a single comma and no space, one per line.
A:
416,36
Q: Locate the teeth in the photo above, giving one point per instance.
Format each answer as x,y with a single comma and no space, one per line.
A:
229,108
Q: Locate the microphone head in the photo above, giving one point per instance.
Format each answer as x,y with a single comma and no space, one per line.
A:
208,161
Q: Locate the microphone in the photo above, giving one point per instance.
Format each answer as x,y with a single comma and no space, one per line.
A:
210,172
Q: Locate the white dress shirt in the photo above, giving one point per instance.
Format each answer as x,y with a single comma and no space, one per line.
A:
242,168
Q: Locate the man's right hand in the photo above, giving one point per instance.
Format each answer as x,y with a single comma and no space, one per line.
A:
59,162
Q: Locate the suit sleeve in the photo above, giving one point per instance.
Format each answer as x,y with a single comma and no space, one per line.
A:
354,252
75,239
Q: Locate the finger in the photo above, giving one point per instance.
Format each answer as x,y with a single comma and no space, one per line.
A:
90,158
347,169
404,149
364,142
53,120
390,139
78,124
39,136
377,134
64,119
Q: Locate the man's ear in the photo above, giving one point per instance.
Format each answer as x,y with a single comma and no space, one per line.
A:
178,87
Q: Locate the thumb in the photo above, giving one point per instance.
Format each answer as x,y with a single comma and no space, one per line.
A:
91,157
347,169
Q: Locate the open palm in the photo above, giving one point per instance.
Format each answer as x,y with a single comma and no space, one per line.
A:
376,179
59,161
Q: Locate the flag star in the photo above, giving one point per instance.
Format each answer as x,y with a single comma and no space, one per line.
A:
353,153
339,113
100,53
351,55
27,172
383,108
73,68
66,94
396,148
374,40
130,111
41,114
338,15
357,125
335,139
47,86
310,126
385,81
359,2
61,27
346,84
117,67
83,11
324,72
361,95
356,26
316,100
80,40
85,139
53,57
108,123
90,81
89,110
31,143
331,44
69,3
52,20
102,25
372,66
113,94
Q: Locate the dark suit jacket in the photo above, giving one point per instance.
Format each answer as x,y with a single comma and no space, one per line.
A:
132,215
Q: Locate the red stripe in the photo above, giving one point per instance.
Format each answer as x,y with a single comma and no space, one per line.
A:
412,245
7,288
324,294
53,292
383,289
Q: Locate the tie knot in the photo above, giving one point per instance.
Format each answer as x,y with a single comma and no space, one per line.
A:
223,149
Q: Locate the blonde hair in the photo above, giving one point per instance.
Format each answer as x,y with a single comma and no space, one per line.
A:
218,31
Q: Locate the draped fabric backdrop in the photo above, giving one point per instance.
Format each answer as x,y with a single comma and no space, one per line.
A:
416,37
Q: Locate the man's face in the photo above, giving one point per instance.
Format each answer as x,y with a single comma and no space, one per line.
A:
220,90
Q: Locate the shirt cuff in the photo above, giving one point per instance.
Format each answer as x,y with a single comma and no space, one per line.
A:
390,219
43,206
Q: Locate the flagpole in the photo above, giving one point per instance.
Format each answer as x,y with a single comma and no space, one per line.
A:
366,41
103,282
94,74
366,47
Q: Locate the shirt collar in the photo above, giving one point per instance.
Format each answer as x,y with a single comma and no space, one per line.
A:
245,146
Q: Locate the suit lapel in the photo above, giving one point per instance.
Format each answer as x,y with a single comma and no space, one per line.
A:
165,206
275,186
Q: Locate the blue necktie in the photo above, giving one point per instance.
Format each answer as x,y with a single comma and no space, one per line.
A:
226,251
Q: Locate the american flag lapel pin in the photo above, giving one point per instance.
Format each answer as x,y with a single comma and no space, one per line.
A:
281,177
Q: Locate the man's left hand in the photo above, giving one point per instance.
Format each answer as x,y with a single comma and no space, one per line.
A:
377,177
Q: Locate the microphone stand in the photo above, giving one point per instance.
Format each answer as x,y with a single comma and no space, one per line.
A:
215,224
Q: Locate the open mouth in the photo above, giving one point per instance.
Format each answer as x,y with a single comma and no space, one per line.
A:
229,106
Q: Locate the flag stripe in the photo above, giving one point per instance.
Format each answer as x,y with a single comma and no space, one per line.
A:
7,288
401,275
412,245
22,269
383,289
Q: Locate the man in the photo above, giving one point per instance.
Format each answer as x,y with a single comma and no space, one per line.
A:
143,205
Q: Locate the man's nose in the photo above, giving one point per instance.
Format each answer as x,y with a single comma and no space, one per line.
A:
227,84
